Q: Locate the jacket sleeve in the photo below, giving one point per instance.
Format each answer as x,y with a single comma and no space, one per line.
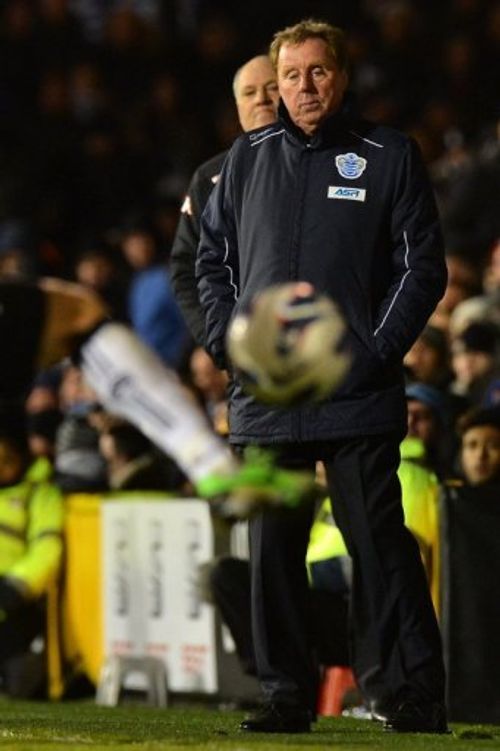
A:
41,562
183,255
418,265
217,267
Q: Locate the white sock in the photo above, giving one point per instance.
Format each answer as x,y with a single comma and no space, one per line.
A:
132,382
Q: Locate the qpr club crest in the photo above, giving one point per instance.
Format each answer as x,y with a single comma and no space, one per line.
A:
350,165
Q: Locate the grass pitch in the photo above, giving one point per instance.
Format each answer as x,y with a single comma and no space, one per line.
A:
80,726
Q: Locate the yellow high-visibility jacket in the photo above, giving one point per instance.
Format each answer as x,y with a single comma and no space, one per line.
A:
420,492
31,525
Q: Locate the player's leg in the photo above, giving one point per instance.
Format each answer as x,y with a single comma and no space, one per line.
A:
131,381
41,324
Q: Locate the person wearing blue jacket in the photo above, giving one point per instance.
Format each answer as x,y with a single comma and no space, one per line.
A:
327,198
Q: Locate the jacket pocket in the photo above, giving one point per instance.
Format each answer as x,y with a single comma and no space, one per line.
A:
367,371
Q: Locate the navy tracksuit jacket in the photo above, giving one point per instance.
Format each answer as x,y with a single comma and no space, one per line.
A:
352,211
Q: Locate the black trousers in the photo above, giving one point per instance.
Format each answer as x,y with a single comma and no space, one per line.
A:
395,639
230,587
22,673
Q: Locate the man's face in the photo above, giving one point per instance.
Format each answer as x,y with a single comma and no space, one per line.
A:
480,454
470,366
310,82
257,94
423,360
421,422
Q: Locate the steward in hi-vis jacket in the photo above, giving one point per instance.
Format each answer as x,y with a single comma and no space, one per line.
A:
31,546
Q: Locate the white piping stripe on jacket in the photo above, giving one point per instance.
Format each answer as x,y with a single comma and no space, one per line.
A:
408,271
265,137
373,143
228,267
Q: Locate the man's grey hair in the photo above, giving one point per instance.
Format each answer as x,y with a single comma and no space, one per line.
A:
311,29
236,77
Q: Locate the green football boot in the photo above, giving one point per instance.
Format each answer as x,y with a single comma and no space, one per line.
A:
258,483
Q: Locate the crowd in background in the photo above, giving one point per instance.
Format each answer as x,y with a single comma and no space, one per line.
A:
106,108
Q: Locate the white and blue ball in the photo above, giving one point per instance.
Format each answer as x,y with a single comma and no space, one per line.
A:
288,348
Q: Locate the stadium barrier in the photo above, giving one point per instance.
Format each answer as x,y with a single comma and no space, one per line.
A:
131,588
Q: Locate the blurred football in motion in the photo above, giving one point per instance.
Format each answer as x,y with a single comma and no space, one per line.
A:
288,347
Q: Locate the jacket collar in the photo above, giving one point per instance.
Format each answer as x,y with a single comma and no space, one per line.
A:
331,127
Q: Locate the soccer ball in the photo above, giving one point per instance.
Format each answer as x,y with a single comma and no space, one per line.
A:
287,348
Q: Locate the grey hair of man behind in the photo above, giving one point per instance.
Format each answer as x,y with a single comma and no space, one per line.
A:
307,29
236,77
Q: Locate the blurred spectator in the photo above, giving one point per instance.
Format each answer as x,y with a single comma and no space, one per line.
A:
43,414
93,13
483,307
129,55
138,244
464,281
97,268
215,49
473,310
165,218
134,464
31,523
492,274
89,98
458,76
428,360
429,421
152,308
437,133
16,258
406,73
475,362
78,462
173,150
456,157
471,218
480,447
107,187
470,593
480,309
41,428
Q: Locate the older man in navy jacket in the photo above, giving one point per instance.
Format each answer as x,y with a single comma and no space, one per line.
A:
325,197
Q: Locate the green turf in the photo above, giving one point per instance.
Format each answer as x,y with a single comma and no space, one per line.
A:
79,726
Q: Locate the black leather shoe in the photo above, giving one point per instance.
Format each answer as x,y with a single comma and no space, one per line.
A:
412,717
278,718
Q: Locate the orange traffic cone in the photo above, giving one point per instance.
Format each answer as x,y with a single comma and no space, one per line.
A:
337,680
